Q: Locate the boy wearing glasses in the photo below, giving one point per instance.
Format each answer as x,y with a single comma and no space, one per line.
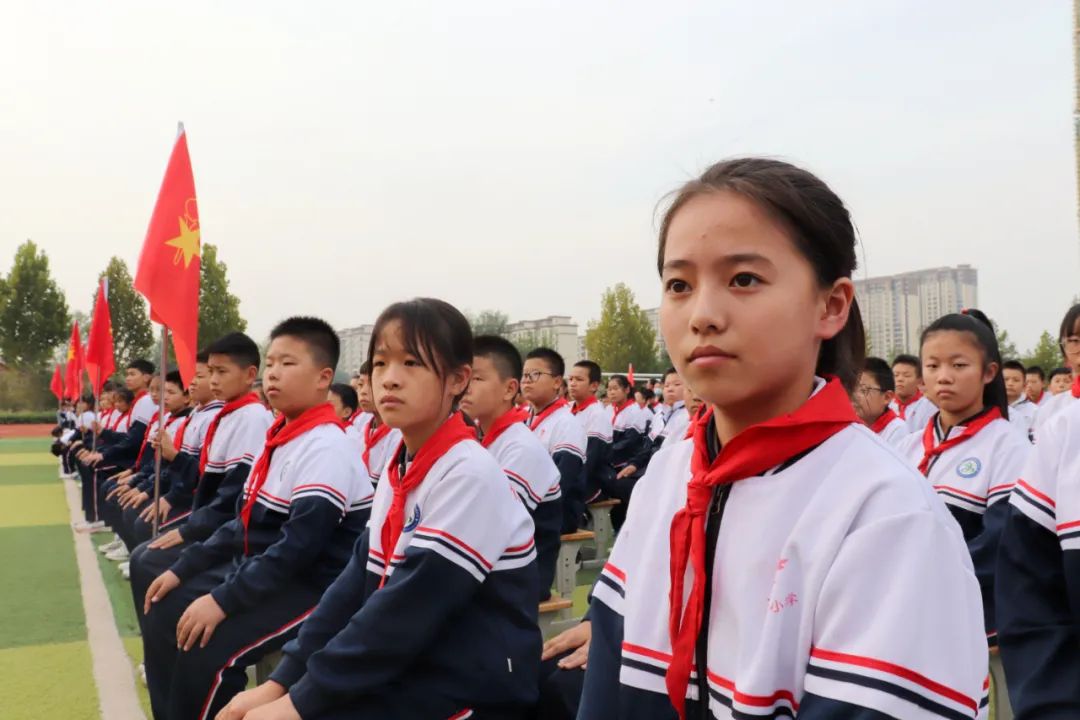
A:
876,390
558,430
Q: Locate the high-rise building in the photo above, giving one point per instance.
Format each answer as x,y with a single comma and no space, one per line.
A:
897,308
653,314
354,347
558,332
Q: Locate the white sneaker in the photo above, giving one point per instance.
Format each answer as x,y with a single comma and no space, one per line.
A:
90,527
125,572
142,673
95,530
124,566
109,547
119,554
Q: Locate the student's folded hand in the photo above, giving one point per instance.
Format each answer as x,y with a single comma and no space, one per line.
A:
134,499
168,540
198,623
280,709
168,450
248,700
577,639
626,472
163,584
163,508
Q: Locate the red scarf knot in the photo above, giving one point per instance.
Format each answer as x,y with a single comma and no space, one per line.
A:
449,434
751,452
970,430
280,433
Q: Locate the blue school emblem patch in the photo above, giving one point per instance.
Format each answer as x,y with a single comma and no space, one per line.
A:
969,468
414,521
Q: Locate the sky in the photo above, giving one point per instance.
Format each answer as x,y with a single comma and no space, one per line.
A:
512,155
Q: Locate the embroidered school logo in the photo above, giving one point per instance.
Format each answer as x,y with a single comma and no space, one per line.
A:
969,468
414,521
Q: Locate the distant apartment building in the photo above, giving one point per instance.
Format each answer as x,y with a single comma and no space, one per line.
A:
558,332
896,308
354,347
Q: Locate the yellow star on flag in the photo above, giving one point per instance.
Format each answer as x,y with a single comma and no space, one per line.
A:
186,244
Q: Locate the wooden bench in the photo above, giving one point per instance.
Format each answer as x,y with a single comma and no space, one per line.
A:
568,564
552,613
601,522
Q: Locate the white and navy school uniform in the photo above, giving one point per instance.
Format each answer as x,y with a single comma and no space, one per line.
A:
238,440
122,453
891,429
184,469
376,447
1022,416
1042,400
596,419
453,630
856,598
630,446
1046,412
1038,577
306,518
361,419
563,436
915,413
137,530
535,480
973,478
674,427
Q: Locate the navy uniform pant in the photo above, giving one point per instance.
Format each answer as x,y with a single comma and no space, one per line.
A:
198,683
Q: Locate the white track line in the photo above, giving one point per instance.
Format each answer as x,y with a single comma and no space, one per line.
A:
113,674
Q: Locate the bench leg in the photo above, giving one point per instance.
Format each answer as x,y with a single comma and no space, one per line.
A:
602,528
566,573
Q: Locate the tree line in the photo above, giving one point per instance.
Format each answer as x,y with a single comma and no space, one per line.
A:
36,318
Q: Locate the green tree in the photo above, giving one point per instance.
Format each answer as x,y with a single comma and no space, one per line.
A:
623,335
1046,353
34,319
489,322
219,309
527,342
133,335
1005,344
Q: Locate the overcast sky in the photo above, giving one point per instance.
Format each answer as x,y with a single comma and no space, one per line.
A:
511,155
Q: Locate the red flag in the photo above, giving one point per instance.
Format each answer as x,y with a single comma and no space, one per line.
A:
73,377
630,375
100,363
57,384
169,264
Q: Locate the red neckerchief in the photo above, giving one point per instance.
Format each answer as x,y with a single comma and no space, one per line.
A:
579,406
107,419
1076,387
751,452
281,432
702,415
131,409
178,439
146,438
229,408
352,418
502,424
449,434
371,439
903,406
536,420
619,408
1038,399
883,420
970,429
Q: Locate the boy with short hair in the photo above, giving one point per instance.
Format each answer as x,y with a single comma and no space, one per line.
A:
584,381
378,441
673,427
1035,385
365,405
1060,381
1021,409
303,506
122,453
234,438
873,396
531,471
557,428
910,404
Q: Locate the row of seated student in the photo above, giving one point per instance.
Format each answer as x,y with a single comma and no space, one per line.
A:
818,540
